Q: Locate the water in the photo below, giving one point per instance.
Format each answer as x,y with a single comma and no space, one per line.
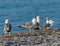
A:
21,11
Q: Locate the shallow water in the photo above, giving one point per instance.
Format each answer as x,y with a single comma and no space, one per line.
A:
21,11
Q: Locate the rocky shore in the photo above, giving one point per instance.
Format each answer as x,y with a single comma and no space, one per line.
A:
50,37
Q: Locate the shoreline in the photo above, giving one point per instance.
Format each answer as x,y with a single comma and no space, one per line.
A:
31,38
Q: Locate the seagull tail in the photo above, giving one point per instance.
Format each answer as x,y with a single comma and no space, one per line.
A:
19,26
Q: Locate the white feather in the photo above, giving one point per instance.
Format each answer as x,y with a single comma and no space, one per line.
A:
33,21
47,21
51,22
6,21
38,19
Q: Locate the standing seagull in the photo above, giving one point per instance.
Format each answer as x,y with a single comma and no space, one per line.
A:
7,26
28,24
49,23
37,20
37,23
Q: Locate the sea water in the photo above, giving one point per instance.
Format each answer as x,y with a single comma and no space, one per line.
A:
21,11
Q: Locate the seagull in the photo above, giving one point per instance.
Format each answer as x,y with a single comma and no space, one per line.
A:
7,26
49,23
29,24
37,23
38,20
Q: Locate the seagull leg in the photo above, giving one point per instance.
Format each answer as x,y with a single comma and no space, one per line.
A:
9,33
30,30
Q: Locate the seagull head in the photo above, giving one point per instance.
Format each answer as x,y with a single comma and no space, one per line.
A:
6,21
47,21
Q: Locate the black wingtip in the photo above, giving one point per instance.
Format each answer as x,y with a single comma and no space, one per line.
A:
19,26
